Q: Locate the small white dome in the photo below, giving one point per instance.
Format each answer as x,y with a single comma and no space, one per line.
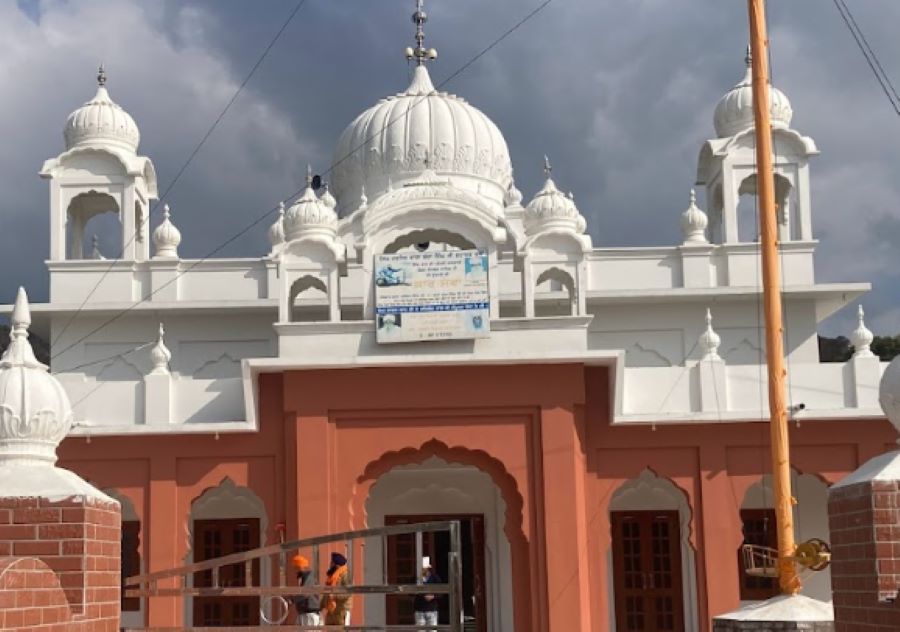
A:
694,222
734,112
166,237
328,199
397,138
309,215
101,121
35,413
551,208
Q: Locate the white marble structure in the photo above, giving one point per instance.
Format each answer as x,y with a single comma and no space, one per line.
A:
440,178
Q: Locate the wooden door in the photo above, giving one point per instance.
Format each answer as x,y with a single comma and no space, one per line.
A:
215,538
647,571
401,567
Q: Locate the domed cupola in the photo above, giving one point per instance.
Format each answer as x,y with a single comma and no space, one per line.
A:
35,413
101,122
734,112
551,208
309,215
400,136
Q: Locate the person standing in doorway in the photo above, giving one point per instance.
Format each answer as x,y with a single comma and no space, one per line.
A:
426,606
337,607
307,605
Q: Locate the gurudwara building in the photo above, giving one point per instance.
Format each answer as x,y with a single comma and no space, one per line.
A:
593,417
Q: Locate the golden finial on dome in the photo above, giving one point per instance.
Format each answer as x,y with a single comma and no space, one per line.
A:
420,53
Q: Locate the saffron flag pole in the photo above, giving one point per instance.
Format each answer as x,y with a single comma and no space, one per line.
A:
788,580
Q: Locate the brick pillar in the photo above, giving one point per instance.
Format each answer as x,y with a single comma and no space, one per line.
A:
864,518
79,539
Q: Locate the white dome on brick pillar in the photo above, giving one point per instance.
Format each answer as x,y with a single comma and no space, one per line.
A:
101,122
35,413
889,392
734,112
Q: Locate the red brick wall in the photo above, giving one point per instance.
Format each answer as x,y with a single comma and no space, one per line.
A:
865,571
78,541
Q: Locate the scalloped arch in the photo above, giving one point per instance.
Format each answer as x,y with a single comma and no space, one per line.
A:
456,454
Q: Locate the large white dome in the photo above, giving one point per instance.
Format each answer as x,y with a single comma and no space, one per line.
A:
101,121
397,138
734,111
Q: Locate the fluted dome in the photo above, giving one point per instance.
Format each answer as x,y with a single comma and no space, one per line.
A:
734,112
101,121
551,208
309,215
398,137
35,413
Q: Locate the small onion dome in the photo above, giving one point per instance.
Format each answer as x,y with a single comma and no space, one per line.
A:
862,337
513,196
166,237
35,413
328,199
160,354
309,214
276,230
693,223
709,340
550,208
734,112
101,121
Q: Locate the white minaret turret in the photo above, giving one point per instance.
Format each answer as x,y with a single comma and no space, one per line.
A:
862,337
694,222
166,237
99,171
709,340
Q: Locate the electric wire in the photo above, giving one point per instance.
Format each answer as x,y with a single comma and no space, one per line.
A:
145,222
115,317
869,54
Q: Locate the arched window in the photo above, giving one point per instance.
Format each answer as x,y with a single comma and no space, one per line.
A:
91,214
309,300
554,293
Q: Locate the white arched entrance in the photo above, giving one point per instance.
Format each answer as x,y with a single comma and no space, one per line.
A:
649,492
438,488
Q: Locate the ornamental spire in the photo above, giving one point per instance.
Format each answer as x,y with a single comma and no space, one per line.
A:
160,354
420,53
101,76
548,168
862,337
710,340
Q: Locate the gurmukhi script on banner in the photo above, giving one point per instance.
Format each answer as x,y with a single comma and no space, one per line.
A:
440,295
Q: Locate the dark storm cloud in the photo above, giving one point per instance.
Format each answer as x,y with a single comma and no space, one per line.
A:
619,93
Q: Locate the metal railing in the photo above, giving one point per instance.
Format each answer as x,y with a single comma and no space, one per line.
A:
148,584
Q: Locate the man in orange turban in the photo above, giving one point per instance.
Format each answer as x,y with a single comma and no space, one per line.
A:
307,605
